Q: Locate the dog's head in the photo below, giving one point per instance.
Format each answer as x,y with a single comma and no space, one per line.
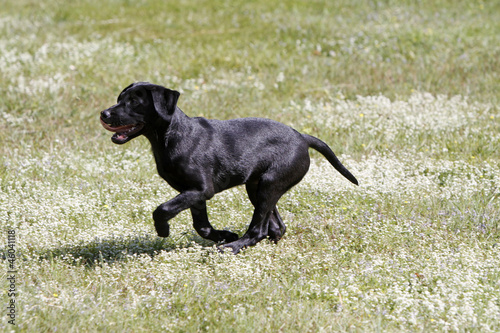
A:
140,107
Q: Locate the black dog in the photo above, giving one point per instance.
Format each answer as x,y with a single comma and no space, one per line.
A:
200,157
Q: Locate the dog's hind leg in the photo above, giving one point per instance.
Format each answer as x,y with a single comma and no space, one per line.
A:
276,228
267,196
203,227
265,193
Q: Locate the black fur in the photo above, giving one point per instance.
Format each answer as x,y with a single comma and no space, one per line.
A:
200,157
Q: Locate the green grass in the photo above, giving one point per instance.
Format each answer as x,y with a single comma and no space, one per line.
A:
405,92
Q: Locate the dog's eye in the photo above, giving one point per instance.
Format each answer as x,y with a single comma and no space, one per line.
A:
133,101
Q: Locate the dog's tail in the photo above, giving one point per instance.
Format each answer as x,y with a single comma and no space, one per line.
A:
323,148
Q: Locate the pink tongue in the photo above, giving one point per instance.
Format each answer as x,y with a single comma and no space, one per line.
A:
121,136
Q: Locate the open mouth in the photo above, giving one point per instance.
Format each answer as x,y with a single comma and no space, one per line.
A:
123,133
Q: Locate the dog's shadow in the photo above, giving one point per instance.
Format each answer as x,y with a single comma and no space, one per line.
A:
121,248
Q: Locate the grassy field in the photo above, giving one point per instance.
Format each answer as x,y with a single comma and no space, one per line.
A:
406,93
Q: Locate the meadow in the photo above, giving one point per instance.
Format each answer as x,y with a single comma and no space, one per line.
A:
406,93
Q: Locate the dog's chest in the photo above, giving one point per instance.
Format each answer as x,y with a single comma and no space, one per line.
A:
174,181
173,174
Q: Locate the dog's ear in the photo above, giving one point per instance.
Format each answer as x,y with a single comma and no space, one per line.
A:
165,101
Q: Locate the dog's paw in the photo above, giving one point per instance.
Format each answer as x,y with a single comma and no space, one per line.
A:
233,247
162,229
275,240
227,236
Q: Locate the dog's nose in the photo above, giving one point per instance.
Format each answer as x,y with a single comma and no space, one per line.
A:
105,114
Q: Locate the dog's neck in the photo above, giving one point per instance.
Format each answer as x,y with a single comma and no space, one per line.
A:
178,124
165,138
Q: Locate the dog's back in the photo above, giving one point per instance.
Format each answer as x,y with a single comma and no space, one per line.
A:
243,149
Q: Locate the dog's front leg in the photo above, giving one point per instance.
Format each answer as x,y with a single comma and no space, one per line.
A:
205,229
171,208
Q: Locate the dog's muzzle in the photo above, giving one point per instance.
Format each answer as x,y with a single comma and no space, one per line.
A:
122,133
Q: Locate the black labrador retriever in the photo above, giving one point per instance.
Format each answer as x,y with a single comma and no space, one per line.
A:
200,157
